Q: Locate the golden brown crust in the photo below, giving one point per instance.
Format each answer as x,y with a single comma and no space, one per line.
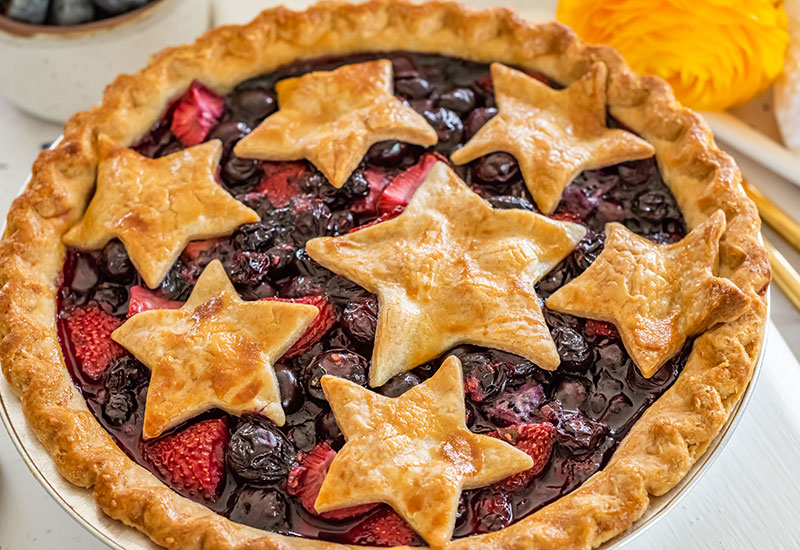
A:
660,448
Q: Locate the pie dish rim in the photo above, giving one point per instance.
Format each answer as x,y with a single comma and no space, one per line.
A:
723,359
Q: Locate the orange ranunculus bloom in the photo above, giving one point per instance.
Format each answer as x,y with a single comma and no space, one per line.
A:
714,53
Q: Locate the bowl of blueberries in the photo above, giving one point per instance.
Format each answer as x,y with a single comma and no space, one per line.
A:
58,55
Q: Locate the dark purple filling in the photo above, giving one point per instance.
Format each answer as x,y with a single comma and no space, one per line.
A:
593,399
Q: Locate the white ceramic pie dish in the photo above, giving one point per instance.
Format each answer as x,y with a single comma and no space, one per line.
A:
80,504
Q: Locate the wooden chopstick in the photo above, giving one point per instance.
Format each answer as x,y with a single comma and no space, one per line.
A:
779,220
784,274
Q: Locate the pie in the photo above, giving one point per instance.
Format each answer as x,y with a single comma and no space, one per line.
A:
382,275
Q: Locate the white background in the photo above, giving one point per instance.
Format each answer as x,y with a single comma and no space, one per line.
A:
749,499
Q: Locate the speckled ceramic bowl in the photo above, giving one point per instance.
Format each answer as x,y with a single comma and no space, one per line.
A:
53,72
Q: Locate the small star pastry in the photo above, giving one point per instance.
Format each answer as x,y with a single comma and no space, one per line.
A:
452,270
656,295
332,118
412,452
156,206
554,134
216,351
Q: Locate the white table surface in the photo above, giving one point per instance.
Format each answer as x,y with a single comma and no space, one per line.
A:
749,498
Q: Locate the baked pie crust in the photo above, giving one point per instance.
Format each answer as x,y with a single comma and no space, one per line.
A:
469,281
216,351
661,446
412,449
335,135
554,134
656,295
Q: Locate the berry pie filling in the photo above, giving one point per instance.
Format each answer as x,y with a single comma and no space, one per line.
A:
248,469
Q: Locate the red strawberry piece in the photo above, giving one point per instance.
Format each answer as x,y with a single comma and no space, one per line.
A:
534,439
601,328
378,179
403,186
194,249
486,83
280,181
566,217
376,221
193,460
90,330
306,477
196,113
144,299
321,324
383,528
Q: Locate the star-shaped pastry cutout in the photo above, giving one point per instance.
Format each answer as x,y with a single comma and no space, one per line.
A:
216,351
657,295
412,452
554,134
332,118
452,270
156,206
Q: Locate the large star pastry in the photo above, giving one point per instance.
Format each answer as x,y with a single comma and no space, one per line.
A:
656,295
412,452
452,270
554,134
156,206
332,118
216,351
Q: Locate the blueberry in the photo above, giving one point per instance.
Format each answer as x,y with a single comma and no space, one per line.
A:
448,127
257,237
516,406
654,205
477,119
587,250
252,105
399,384
119,407
28,11
312,219
259,453
460,100
112,298
360,317
505,202
571,347
388,153
301,286
328,430
237,171
304,435
571,393
124,374
281,256
116,265
71,12
483,376
174,286
307,267
259,508
343,221
412,88
291,392
338,338
248,268
229,132
338,362
492,511
496,168
119,6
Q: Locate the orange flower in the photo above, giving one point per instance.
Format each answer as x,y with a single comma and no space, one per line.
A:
714,53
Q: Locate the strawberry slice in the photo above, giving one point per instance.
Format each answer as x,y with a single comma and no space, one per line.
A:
192,460
534,439
280,181
306,477
321,324
397,194
194,249
89,330
196,113
601,328
384,528
378,179
144,299
566,217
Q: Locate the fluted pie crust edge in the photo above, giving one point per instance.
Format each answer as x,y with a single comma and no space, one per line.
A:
655,455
